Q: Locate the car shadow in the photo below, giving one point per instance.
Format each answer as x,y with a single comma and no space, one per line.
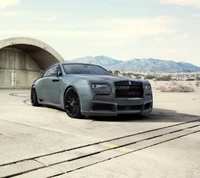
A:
158,115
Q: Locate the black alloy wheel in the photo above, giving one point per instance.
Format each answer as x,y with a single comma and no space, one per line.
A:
34,100
72,103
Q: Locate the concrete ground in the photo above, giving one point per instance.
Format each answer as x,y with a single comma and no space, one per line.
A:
45,142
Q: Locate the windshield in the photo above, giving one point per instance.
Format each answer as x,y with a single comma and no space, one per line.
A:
84,69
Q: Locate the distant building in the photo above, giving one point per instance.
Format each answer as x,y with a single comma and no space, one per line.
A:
22,60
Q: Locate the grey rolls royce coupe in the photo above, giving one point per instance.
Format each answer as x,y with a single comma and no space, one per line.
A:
90,90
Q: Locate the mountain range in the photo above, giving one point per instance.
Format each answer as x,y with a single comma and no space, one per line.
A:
148,64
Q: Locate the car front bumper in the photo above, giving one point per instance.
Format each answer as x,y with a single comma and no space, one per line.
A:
107,105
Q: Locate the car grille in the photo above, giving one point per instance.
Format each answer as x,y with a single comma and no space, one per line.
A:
126,108
102,107
127,89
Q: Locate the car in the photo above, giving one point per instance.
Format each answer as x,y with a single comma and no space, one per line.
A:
90,90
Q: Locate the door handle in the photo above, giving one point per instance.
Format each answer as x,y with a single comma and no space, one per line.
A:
55,80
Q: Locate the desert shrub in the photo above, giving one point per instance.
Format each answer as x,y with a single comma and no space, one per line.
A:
149,77
190,79
163,88
111,72
174,83
176,88
138,76
129,74
164,78
124,74
197,83
116,72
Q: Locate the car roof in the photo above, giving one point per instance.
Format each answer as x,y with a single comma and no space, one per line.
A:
73,63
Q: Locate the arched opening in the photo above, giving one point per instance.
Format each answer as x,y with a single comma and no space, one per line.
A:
22,60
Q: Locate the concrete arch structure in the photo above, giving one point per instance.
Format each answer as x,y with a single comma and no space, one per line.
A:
43,54
23,59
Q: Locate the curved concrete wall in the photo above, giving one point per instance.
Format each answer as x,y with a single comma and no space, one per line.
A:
42,53
22,60
17,69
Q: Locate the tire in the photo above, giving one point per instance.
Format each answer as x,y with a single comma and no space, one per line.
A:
34,99
72,103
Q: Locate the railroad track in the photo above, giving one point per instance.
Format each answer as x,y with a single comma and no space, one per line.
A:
62,162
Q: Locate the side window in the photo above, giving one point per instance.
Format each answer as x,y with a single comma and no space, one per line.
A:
47,73
53,71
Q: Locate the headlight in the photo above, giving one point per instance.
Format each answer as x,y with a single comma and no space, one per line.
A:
147,86
100,86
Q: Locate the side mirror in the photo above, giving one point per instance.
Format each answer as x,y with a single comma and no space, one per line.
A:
59,73
54,73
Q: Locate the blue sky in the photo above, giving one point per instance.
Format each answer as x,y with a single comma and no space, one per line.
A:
121,29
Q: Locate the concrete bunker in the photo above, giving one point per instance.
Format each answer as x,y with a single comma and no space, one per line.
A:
22,60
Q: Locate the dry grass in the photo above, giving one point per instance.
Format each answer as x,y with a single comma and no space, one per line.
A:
174,87
197,83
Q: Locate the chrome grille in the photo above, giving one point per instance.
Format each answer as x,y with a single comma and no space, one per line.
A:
129,91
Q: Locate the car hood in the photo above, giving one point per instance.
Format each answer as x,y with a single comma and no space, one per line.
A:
109,78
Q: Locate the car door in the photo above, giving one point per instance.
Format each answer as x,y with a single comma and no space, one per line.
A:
55,85
51,86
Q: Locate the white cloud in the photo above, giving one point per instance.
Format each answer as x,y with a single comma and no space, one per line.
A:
179,37
52,18
158,40
112,29
21,15
150,49
136,27
196,15
119,0
172,50
31,15
174,38
6,3
8,14
184,50
182,2
185,35
45,18
109,44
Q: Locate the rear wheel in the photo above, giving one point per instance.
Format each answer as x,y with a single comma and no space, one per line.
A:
34,99
72,103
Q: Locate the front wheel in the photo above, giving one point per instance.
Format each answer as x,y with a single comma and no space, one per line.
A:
34,99
72,103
